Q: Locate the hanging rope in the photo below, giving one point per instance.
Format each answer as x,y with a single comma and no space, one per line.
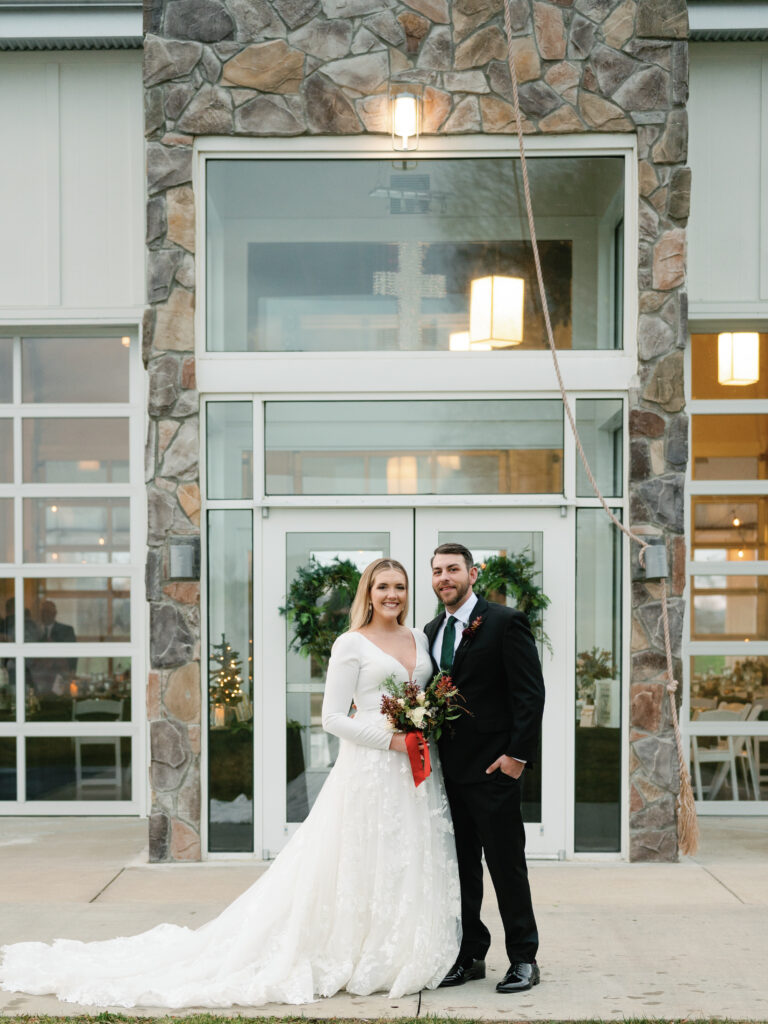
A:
687,823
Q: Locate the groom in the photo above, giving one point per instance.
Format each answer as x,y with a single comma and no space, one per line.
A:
489,652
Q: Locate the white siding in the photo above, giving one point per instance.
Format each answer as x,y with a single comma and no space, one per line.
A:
728,229
71,183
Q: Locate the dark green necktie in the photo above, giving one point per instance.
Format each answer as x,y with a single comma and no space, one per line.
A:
449,643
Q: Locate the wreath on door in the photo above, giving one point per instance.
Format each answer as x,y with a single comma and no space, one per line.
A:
317,607
503,576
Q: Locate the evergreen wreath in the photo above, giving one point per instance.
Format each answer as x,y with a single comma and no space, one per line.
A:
514,576
317,607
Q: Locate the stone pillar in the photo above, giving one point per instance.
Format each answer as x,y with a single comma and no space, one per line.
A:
293,67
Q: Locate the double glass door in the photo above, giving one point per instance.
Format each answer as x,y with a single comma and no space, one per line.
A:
296,753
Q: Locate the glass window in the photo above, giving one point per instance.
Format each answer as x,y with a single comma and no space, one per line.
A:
704,369
730,529
230,681
729,607
718,678
6,451
229,428
74,370
6,369
600,422
414,447
6,529
85,531
7,612
58,689
7,768
75,450
362,255
79,767
87,609
597,824
730,447
7,693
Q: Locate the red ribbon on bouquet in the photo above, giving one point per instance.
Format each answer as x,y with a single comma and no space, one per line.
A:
418,755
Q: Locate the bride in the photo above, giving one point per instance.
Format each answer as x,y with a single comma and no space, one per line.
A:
365,896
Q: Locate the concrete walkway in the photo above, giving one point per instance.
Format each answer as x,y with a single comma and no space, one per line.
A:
617,940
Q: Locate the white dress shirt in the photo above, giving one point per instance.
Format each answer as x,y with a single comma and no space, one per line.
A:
463,616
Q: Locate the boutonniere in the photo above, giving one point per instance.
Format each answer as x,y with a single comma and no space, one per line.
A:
472,628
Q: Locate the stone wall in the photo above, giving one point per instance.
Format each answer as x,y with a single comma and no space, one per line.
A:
294,67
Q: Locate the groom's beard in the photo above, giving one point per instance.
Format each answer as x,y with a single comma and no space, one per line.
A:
461,593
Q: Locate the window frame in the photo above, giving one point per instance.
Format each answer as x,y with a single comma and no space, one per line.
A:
18,570
267,372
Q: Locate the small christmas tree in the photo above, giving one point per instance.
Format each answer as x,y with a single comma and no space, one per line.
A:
224,675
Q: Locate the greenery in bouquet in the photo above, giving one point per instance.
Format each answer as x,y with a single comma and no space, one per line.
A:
411,709
590,666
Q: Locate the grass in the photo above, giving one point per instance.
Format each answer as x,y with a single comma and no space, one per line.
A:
212,1018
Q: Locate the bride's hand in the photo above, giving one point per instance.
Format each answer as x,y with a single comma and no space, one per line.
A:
398,742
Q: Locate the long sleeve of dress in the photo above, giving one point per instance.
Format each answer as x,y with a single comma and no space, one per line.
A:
340,684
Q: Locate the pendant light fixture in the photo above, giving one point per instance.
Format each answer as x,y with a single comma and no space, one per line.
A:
738,358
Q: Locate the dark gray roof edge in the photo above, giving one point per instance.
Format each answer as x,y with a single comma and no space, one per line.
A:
725,35
74,43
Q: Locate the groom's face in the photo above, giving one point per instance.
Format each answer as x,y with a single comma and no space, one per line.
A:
451,579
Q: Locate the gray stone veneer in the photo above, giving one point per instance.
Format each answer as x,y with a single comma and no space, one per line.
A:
295,67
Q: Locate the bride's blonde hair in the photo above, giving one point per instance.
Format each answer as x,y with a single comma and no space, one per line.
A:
361,611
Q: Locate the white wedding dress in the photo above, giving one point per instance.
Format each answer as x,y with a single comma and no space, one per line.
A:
365,896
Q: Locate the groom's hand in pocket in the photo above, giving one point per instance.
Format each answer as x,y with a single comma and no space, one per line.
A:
507,766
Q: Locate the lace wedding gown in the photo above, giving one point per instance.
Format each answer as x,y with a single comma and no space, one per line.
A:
365,896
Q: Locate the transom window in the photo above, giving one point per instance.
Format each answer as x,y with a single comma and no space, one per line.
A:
383,256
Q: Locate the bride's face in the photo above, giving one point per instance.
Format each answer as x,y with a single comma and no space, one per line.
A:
389,592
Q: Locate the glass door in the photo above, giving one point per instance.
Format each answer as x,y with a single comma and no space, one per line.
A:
297,753
545,537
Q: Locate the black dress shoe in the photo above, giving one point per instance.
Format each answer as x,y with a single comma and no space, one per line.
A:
463,970
519,978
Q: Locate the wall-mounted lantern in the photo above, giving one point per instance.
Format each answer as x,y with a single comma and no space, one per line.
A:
405,115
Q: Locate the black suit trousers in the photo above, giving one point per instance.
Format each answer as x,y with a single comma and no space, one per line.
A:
488,819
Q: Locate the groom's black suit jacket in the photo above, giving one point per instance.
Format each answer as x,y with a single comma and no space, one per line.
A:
498,672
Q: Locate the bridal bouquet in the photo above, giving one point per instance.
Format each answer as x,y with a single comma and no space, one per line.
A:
420,714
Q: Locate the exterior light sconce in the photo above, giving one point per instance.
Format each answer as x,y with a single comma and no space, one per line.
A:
184,559
738,358
405,115
496,312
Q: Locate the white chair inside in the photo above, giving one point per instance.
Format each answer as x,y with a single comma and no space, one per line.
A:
105,776
725,754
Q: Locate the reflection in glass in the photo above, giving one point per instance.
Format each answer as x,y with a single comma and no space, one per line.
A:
230,681
729,607
229,430
597,809
84,531
600,423
74,370
488,544
729,678
704,382
488,447
6,529
79,767
7,689
6,451
58,688
732,529
6,369
730,447
88,609
358,255
75,450
311,752
7,768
